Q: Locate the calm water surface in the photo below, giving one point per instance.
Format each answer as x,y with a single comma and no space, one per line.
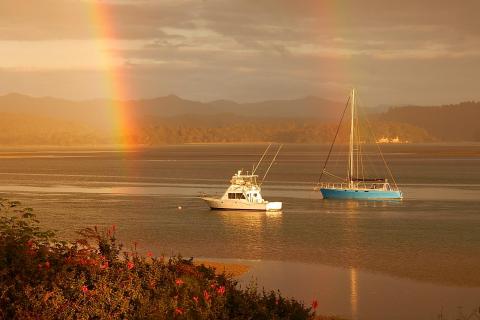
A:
361,259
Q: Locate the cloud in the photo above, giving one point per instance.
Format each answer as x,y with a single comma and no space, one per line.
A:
80,19
248,50
269,25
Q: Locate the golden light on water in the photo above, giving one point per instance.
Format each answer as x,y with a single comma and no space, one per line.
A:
354,292
352,208
251,226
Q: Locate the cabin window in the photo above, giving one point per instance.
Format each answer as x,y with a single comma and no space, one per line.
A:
236,196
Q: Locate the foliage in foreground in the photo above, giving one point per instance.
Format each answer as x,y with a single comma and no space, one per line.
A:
91,278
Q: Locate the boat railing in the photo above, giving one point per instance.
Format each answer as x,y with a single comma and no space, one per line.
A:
385,186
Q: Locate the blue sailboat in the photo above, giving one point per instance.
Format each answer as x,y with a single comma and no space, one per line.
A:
354,186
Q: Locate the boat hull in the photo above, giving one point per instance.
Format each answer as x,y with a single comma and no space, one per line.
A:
237,204
361,194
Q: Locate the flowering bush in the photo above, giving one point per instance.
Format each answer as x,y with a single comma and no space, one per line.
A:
92,278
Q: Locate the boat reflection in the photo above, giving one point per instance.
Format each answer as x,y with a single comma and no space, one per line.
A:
351,222
242,219
250,233
357,204
253,230
354,292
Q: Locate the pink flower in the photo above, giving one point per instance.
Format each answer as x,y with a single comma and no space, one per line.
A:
104,265
178,311
47,265
84,289
221,290
195,298
179,282
39,266
314,304
149,254
206,295
130,265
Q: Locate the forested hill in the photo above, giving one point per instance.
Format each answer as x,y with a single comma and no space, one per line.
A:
28,120
459,122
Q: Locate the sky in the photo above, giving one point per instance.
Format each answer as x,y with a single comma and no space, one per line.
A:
393,52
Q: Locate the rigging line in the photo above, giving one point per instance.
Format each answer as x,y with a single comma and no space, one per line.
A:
360,150
381,154
370,158
260,161
358,138
361,162
335,138
271,163
333,175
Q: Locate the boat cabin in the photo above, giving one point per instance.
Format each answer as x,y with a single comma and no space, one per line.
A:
244,187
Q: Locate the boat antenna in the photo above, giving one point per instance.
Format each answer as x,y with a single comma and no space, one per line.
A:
271,163
260,161
335,138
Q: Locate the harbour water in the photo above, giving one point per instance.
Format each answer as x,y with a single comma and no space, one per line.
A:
408,259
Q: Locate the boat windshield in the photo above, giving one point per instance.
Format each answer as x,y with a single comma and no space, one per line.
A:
236,195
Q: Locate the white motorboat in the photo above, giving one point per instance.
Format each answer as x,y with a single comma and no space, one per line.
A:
244,192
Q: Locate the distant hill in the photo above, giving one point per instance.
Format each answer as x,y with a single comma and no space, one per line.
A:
29,120
460,122
97,112
39,130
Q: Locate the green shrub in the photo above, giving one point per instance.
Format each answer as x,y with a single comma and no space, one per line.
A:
92,278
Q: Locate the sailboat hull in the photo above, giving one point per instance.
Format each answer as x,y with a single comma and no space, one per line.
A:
360,194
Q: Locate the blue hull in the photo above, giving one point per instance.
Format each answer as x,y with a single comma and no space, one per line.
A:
359,194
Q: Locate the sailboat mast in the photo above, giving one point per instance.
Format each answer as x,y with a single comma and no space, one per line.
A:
351,138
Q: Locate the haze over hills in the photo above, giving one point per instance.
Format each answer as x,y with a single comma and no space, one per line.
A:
50,121
170,106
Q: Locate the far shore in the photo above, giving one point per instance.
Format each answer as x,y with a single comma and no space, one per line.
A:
116,147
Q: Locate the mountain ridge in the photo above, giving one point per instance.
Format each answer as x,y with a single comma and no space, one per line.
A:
173,105
172,119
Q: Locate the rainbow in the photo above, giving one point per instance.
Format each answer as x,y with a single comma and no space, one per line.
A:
332,17
115,77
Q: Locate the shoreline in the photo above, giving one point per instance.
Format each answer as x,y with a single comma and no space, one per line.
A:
133,147
233,269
